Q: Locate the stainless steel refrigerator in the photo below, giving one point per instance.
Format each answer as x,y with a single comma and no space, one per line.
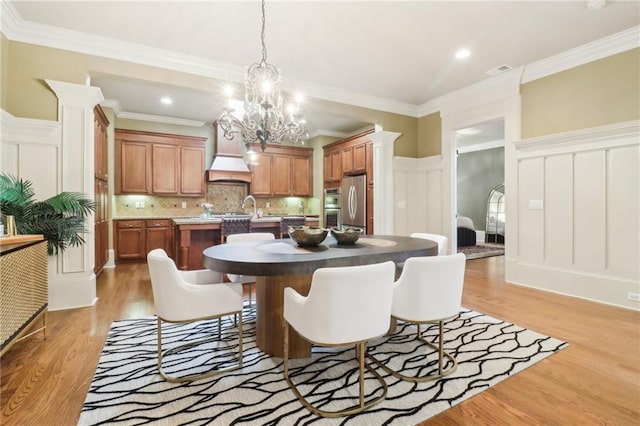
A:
354,201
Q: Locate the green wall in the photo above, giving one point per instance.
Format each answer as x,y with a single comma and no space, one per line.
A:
601,92
429,135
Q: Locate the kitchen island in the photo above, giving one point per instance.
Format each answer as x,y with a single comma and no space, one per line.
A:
194,235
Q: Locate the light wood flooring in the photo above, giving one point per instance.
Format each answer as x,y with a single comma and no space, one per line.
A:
596,380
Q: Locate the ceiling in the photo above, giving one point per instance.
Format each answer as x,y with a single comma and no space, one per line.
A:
396,55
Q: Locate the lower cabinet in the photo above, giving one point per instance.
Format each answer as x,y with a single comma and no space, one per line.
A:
133,239
159,234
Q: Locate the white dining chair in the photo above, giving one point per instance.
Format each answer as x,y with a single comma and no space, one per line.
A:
345,306
247,280
441,240
429,290
177,300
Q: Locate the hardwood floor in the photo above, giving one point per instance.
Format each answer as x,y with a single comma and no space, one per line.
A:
596,380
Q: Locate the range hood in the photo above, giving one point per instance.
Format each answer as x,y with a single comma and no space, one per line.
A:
228,163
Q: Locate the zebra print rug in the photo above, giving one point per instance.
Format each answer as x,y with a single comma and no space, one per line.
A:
127,389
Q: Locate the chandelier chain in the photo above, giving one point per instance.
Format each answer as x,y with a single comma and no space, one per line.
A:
264,46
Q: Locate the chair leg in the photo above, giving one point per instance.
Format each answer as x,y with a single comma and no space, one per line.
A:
441,355
210,373
361,353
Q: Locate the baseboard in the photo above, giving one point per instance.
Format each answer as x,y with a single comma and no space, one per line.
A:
596,288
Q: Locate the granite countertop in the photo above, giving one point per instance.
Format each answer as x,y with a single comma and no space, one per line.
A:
186,220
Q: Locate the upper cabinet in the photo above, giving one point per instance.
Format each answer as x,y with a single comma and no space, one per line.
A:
283,171
344,158
159,164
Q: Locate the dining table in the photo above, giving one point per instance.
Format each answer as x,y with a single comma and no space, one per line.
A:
281,263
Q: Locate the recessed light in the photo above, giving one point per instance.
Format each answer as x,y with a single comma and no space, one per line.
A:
596,4
166,100
463,54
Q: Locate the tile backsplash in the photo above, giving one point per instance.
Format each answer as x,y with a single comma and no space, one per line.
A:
225,198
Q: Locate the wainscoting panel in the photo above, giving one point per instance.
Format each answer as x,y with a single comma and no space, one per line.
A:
623,220
530,221
589,200
583,239
417,195
558,211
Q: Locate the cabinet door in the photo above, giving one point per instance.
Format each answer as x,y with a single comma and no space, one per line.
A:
360,158
134,175
302,176
281,174
159,237
100,125
165,167
326,168
336,166
130,240
347,161
261,179
191,171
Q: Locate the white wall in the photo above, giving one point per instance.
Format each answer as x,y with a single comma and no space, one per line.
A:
585,241
58,156
417,195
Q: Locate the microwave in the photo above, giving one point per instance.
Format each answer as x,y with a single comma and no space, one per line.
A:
332,198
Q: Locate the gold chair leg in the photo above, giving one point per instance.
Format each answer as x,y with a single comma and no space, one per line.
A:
361,353
210,373
441,355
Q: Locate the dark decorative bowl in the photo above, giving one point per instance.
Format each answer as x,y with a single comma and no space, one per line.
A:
307,235
346,235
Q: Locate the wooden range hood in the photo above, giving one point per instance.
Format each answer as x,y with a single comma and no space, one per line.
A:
228,164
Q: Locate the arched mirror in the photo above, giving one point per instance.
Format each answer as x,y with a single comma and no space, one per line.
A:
495,215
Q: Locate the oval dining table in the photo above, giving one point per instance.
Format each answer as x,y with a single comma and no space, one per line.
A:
282,263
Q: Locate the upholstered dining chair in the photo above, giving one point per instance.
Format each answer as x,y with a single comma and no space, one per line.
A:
441,240
429,290
178,300
345,306
248,280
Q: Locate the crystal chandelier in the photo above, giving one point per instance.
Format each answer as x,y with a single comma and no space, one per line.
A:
264,118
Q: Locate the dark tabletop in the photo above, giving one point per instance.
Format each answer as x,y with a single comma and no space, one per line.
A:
274,257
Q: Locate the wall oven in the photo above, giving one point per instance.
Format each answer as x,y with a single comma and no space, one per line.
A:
331,206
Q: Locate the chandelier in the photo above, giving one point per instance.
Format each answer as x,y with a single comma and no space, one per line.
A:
264,118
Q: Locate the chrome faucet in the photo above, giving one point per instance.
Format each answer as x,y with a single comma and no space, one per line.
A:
250,197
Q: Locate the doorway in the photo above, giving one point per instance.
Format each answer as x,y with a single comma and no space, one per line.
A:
479,169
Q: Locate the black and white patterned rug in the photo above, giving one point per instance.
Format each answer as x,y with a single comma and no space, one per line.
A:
127,389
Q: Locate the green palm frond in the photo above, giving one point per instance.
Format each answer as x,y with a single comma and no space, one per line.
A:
61,218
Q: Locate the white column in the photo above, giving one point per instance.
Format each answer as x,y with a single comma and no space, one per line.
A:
72,282
383,181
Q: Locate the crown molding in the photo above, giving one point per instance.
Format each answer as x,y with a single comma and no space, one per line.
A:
76,93
322,132
18,29
160,119
117,110
607,46
26,129
609,132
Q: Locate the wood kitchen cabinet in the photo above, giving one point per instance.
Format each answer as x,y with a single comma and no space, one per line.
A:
159,164
332,168
129,240
159,234
101,190
283,171
134,238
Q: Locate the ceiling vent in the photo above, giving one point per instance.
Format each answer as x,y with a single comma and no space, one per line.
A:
499,70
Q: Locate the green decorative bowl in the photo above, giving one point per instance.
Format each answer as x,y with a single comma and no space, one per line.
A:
308,236
346,235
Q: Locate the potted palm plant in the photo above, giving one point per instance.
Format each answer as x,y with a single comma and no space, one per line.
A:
61,218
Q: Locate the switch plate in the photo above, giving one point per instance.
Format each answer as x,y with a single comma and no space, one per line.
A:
536,205
184,204
402,204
